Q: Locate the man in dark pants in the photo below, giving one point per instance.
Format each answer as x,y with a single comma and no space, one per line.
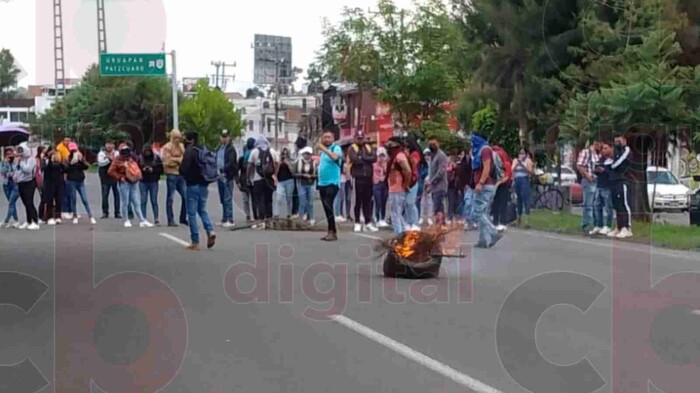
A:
329,179
262,166
197,192
104,160
500,201
362,158
227,163
620,189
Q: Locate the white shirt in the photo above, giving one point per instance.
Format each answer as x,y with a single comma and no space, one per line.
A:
253,159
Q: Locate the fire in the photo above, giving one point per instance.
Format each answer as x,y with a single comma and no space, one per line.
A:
407,247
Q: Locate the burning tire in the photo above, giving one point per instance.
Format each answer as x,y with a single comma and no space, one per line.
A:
413,255
397,267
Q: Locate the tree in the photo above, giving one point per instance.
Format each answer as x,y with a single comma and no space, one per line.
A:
8,74
208,113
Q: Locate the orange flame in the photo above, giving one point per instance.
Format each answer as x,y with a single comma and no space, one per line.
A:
407,247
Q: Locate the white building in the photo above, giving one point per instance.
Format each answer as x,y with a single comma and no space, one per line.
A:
16,110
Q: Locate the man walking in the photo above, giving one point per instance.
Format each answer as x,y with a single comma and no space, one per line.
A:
329,180
399,179
227,164
173,153
620,189
104,161
586,163
484,190
500,204
437,179
197,192
362,158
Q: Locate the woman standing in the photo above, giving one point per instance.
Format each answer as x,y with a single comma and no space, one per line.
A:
9,187
54,187
306,174
127,172
151,168
523,168
285,184
25,176
380,188
75,182
40,182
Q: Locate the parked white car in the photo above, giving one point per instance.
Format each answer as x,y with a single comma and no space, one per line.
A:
568,176
670,193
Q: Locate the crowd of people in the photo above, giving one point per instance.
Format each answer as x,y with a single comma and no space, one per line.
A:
398,185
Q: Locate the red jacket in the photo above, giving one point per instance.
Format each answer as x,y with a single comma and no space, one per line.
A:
507,164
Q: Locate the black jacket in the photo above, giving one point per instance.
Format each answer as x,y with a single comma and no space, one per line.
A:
621,162
362,160
76,172
53,172
230,161
189,169
156,166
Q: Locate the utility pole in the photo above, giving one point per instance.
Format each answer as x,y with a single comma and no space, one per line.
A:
277,103
221,79
101,27
176,114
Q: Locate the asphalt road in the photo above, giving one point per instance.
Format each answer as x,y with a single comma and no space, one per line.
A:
129,310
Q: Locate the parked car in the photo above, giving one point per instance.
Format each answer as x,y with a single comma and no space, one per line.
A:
670,193
568,176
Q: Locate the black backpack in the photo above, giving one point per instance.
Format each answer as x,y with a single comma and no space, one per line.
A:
266,164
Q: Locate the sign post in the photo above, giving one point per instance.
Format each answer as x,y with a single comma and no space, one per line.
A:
176,115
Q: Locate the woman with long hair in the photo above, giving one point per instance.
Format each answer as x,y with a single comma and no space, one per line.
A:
416,159
523,168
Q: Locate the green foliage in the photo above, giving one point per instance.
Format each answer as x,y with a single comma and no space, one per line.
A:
8,74
485,121
208,113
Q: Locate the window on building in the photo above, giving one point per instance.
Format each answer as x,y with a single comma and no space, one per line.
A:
251,125
14,116
3,115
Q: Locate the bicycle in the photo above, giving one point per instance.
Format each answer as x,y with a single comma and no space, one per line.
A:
547,195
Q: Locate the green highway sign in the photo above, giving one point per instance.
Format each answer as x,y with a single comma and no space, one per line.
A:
132,64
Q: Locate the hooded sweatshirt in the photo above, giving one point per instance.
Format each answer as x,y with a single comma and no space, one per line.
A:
27,167
75,168
149,160
173,154
53,172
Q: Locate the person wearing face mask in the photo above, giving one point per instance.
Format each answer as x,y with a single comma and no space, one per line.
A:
484,190
500,203
285,184
329,170
54,187
173,153
245,182
9,187
127,172
306,173
151,168
75,182
25,177
426,200
437,180
399,179
380,189
523,168
620,189
416,159
362,157
104,160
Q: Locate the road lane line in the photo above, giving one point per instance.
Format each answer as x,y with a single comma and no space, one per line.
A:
416,356
175,239
368,236
603,242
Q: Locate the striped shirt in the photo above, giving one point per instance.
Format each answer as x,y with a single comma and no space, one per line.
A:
587,160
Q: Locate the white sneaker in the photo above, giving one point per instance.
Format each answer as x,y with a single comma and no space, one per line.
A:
34,227
66,216
604,231
93,221
371,228
58,221
414,228
23,226
430,221
421,221
42,222
595,231
127,224
501,228
145,224
625,233
358,228
52,222
75,221
312,222
383,224
231,224
613,233
225,225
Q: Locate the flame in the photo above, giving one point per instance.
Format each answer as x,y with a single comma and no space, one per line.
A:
407,247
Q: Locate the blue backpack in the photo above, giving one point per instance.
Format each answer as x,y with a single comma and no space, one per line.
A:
208,166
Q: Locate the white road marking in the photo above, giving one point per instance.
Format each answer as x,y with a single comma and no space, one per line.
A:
631,246
416,356
367,236
175,239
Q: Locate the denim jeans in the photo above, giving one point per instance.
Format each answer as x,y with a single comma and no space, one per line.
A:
468,205
175,183
438,201
411,207
341,204
284,196
130,197
589,192
306,200
522,191
455,199
197,196
603,204
67,207
397,201
482,203
71,188
381,196
226,199
426,209
12,195
149,190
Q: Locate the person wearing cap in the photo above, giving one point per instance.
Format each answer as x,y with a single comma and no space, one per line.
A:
227,162
399,179
172,154
380,189
306,173
75,182
362,157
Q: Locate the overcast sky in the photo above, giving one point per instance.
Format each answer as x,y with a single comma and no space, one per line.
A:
201,31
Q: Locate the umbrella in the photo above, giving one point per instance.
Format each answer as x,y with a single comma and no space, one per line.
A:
12,134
